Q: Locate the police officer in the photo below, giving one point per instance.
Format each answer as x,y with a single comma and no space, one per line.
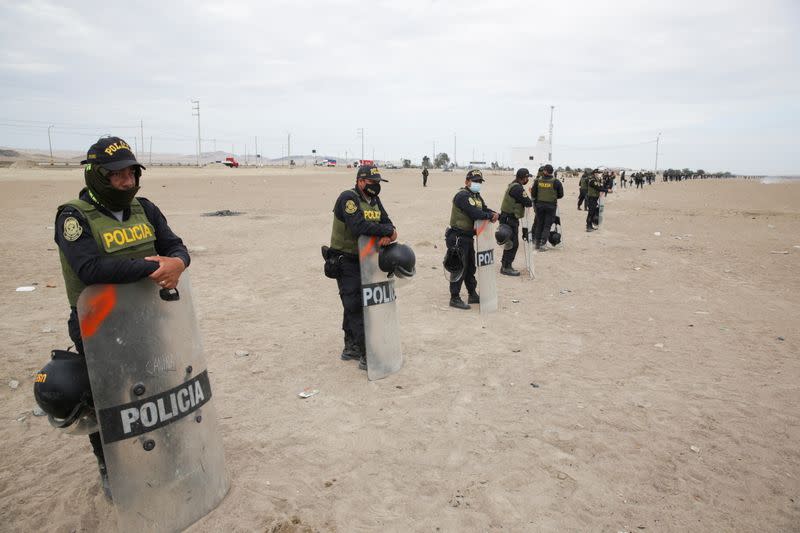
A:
582,187
424,176
545,192
595,187
358,211
468,206
107,204
512,209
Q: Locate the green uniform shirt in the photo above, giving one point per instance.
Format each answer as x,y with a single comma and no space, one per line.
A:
545,190
510,206
132,238
594,188
459,219
342,238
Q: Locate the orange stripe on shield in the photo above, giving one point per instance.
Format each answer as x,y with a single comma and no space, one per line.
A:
481,227
368,249
97,309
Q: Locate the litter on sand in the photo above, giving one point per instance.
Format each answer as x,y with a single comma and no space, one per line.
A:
26,288
308,393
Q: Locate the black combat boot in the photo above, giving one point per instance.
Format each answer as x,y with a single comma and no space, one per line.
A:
458,303
350,350
542,246
509,271
474,298
362,357
104,483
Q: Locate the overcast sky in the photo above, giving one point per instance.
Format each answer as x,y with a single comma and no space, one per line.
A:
720,80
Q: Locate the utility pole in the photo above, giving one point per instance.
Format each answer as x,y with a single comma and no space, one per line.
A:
434,154
455,161
257,156
150,161
360,131
245,155
196,113
550,154
141,130
50,142
288,148
658,138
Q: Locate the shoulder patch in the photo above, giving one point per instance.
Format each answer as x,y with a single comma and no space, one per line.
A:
350,207
72,229
471,201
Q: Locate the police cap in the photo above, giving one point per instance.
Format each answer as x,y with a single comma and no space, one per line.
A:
111,153
475,175
369,172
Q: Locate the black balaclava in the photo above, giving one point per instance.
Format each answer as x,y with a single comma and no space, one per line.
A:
100,186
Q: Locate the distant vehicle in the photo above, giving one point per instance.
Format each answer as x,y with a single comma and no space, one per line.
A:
230,162
326,163
365,162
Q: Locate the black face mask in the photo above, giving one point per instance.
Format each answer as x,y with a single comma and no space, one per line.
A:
372,189
100,186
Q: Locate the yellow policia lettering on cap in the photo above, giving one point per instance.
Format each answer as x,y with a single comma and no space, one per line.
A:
116,146
374,171
123,236
72,229
40,378
350,207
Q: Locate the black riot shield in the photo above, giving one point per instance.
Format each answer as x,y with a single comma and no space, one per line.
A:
154,404
381,326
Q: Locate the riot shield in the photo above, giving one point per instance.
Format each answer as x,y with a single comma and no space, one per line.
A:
601,203
154,405
527,244
556,227
484,261
381,326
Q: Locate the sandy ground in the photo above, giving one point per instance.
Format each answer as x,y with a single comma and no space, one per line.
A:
666,366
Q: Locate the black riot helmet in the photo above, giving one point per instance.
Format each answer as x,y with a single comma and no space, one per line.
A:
454,263
397,259
62,390
554,238
503,234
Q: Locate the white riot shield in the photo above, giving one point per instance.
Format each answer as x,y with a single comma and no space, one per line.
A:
484,261
154,405
381,326
601,203
527,246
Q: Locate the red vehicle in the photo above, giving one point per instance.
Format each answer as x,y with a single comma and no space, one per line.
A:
364,162
231,162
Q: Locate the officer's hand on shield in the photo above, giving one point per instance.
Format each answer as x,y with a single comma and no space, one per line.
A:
169,270
495,216
384,241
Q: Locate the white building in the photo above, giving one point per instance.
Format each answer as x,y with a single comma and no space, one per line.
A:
532,157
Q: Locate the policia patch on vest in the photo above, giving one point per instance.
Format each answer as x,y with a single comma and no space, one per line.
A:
72,229
350,207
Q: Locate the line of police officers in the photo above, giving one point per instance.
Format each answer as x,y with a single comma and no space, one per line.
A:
108,204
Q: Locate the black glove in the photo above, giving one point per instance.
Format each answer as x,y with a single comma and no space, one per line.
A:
525,234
